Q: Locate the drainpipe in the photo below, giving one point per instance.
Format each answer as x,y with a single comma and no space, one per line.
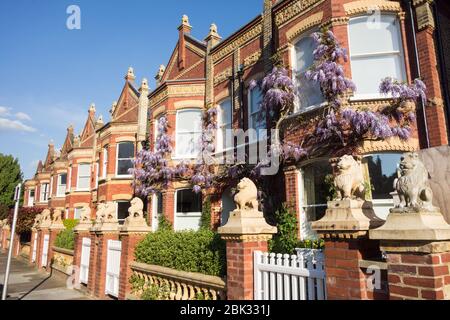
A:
416,56
444,76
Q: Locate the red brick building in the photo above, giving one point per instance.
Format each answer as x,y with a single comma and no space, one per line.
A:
218,72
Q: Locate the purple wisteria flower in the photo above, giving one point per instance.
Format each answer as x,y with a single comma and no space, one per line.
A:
403,91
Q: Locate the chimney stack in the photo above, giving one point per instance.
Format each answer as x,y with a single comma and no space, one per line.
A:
184,28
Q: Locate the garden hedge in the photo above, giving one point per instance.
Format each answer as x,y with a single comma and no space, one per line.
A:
193,251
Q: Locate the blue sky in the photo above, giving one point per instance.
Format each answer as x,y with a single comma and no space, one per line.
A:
49,74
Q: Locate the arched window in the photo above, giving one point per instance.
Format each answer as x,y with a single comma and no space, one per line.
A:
376,52
309,94
188,132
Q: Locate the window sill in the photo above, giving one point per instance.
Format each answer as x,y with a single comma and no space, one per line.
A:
122,178
371,97
307,110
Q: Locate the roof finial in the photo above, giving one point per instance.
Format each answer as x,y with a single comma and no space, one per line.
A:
144,84
130,74
113,107
185,20
213,35
92,108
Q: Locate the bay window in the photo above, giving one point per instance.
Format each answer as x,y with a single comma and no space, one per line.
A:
44,192
256,116
188,133
155,132
61,186
308,92
84,176
375,53
188,210
77,212
224,125
125,157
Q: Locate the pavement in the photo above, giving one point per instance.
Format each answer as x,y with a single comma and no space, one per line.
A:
28,283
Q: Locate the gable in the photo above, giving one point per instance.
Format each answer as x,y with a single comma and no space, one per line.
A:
195,62
126,109
87,136
68,143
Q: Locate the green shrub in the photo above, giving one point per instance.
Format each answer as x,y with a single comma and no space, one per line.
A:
193,251
65,239
286,240
163,223
205,220
25,218
311,244
70,223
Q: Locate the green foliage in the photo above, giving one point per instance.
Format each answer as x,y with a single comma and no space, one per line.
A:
65,239
286,240
10,176
311,244
70,223
155,292
205,220
200,251
4,211
164,224
25,218
329,182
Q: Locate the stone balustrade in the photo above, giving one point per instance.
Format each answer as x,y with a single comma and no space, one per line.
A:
180,284
63,260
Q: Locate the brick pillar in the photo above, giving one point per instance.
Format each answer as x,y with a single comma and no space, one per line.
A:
417,245
168,205
16,245
129,243
92,263
245,232
53,232
292,193
345,229
344,267
42,233
5,236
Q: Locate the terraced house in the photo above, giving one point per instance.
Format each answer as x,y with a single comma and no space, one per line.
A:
93,167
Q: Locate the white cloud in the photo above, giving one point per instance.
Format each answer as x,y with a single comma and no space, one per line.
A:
14,125
22,116
4,111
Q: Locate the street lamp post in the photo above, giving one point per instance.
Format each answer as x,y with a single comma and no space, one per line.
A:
11,240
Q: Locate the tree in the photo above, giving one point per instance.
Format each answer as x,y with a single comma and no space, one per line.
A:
10,176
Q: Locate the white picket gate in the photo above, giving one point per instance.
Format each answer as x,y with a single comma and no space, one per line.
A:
84,263
289,277
45,251
33,255
113,267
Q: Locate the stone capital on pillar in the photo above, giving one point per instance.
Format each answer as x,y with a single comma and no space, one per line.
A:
245,232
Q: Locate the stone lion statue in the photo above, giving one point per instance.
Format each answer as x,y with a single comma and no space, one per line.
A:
100,213
136,209
46,215
57,216
348,178
85,216
246,197
412,185
110,212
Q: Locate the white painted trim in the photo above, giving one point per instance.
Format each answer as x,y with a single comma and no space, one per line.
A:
184,156
117,159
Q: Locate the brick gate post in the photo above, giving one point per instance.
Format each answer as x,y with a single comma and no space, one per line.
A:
245,232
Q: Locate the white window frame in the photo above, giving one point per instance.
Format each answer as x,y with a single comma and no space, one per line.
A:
29,197
400,53
250,114
44,192
293,54
77,210
177,131
59,186
97,173
155,131
50,187
78,177
104,162
221,126
69,179
192,214
117,158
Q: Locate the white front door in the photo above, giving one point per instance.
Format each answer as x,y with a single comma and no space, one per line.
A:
113,267
45,251
33,256
84,263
